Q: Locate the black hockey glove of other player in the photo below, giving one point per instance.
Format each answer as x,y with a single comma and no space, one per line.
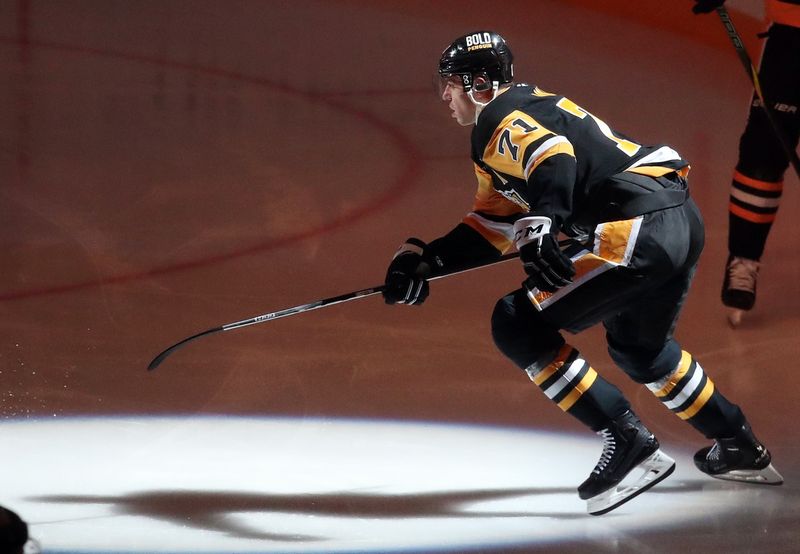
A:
706,6
548,268
407,276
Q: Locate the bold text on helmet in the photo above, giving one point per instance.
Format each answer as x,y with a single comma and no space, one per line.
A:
479,39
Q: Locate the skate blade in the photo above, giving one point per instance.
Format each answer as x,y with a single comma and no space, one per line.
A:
735,317
657,467
767,476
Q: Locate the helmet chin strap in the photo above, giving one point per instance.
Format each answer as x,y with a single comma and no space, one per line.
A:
480,105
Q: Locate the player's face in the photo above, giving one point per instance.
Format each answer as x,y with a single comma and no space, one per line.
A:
458,101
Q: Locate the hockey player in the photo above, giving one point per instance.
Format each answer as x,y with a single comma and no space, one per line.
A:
546,165
757,184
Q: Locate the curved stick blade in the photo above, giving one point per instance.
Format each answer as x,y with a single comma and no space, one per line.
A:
363,293
161,357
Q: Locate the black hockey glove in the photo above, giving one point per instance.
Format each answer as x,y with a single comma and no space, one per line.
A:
407,276
548,268
706,6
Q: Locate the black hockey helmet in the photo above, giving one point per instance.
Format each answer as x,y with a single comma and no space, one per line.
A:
481,59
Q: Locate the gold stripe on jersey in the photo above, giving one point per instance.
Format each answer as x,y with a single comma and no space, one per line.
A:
541,93
566,378
686,390
658,171
613,246
550,147
511,138
498,234
660,162
627,146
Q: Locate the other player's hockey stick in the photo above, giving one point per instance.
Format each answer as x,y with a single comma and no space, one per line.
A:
753,74
363,293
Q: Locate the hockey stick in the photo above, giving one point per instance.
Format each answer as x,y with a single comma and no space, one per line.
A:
363,293
753,74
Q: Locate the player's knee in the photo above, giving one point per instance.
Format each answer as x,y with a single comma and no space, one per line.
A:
503,327
645,365
521,335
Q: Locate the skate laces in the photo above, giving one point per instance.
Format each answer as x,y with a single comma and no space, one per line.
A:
609,447
742,273
715,454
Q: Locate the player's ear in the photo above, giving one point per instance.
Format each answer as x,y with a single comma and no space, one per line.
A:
481,83
482,88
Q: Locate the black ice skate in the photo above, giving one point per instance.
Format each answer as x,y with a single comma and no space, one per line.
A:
627,446
739,458
739,287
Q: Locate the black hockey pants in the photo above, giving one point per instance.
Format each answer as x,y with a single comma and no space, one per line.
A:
637,297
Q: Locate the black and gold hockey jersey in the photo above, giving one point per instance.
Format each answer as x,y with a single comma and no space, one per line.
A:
541,153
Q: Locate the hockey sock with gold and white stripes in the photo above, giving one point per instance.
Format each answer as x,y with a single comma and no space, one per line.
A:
686,390
577,389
